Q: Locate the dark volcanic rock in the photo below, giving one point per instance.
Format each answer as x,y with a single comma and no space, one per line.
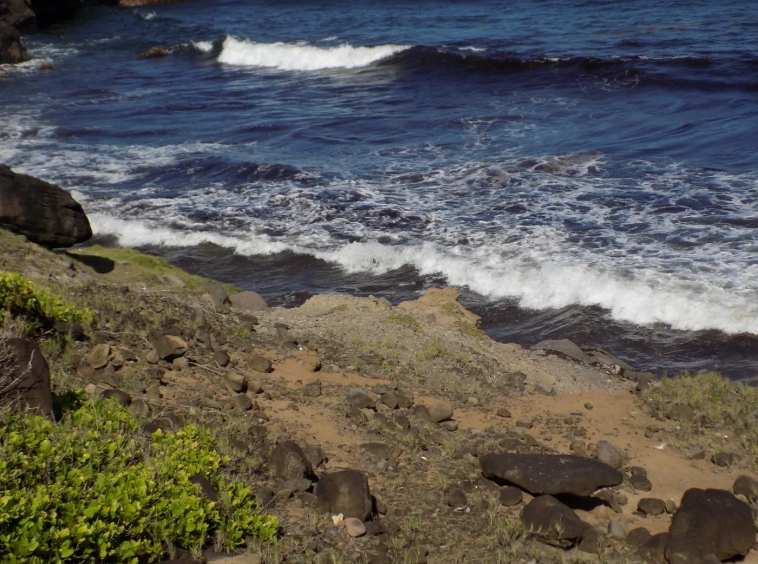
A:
121,397
553,522
219,297
42,212
550,473
711,522
18,14
11,52
510,496
288,461
651,506
248,301
25,376
345,492
51,11
747,486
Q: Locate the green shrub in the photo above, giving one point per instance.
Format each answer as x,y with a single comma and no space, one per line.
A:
90,490
20,296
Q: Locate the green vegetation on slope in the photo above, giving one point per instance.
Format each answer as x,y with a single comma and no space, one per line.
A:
20,296
91,489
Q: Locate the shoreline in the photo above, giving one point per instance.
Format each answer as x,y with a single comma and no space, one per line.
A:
430,351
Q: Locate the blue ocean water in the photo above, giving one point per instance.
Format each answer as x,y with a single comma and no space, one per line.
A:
582,169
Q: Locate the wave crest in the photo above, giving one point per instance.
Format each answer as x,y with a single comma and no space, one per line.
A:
292,57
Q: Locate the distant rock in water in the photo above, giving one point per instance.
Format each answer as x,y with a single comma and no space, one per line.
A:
11,50
44,213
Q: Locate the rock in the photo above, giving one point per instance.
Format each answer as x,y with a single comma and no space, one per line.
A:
219,297
588,406
360,398
98,356
638,537
288,461
510,496
315,455
345,492
592,541
11,51
121,397
354,527
640,483
241,402
670,506
297,485
525,423
25,377
515,381
259,363
248,301
154,53
695,453
235,382
44,213
404,399
503,412
725,458
169,347
617,530
18,14
449,425
439,412
286,338
578,446
550,473
221,357
747,486
180,363
205,486
544,388
389,399
608,454
553,522
681,412
456,499
565,347
711,522
265,496
607,360
651,506
654,549
379,451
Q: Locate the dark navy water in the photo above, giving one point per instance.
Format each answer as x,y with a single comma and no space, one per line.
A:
581,169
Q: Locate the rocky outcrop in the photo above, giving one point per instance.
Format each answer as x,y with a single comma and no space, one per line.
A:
18,14
11,50
346,493
550,473
42,212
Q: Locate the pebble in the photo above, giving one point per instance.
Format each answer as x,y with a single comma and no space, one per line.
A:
525,423
503,412
354,527
588,406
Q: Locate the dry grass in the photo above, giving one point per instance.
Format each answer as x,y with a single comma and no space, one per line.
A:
719,405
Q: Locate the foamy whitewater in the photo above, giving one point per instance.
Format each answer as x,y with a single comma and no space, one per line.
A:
291,57
579,172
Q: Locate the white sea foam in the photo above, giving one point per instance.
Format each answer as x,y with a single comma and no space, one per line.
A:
537,282
204,46
295,57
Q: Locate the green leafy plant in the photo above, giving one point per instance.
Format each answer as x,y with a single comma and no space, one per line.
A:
91,490
20,296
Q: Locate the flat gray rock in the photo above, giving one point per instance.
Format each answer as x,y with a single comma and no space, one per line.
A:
552,474
565,347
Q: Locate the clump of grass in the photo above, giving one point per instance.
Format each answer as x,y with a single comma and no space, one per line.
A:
403,320
436,348
450,444
717,402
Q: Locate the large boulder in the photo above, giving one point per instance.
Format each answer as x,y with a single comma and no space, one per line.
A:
345,492
25,376
552,521
550,473
11,52
18,14
43,212
248,301
710,522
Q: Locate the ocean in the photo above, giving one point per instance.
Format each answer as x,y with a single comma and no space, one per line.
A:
580,169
